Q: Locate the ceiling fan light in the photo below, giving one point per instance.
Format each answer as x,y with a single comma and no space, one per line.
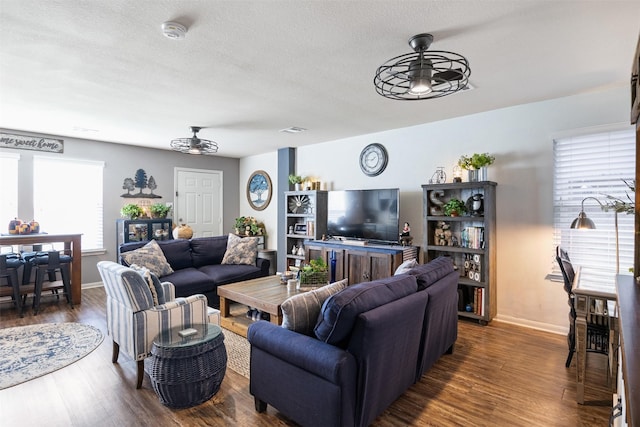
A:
194,145
422,74
420,86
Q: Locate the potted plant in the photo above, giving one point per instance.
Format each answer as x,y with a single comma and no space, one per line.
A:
315,273
159,210
131,211
476,164
619,205
296,180
248,226
454,207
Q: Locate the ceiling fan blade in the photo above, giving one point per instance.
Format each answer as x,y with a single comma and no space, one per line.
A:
449,75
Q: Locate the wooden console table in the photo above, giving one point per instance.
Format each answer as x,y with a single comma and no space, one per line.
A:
72,246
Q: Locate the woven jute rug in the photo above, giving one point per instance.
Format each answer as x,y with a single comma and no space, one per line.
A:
28,352
238,351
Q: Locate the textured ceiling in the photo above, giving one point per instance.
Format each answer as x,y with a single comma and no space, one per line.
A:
103,70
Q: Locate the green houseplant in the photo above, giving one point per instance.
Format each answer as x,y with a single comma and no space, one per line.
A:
131,211
295,179
476,161
159,210
454,207
248,225
315,273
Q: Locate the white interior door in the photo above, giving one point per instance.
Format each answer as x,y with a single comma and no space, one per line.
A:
198,201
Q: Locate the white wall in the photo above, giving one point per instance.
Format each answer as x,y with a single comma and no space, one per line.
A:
268,163
521,138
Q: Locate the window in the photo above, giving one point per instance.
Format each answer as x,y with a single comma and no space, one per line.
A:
67,198
9,186
594,166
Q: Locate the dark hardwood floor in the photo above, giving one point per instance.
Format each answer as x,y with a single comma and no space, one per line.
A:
499,375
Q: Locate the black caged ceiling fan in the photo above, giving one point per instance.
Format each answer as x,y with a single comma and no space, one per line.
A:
422,74
194,145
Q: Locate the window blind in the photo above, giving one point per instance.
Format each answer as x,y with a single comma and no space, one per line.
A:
67,198
594,166
9,189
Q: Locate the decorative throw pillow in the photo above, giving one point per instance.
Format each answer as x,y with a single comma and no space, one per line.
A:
339,312
152,281
405,266
150,256
241,250
300,312
429,273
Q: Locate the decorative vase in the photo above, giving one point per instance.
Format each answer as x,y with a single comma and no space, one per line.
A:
478,174
298,186
183,231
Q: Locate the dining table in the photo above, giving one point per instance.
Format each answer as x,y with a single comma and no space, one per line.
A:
72,246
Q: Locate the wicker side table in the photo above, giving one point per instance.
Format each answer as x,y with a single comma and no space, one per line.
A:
187,371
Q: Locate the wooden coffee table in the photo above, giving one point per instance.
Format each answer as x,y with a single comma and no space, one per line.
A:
266,294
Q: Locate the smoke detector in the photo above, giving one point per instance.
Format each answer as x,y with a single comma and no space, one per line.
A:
174,30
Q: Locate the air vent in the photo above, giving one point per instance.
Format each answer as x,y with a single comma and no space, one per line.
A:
293,129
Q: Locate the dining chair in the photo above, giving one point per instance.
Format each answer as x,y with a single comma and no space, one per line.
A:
9,265
47,265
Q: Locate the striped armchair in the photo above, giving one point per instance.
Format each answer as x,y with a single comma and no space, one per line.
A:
132,319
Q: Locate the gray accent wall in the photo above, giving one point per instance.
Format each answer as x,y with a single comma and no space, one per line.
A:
122,161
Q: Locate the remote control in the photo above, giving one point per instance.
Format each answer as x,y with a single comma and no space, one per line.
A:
187,332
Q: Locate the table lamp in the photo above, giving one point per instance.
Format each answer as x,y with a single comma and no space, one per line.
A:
584,223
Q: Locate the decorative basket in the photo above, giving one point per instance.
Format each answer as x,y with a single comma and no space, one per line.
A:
314,278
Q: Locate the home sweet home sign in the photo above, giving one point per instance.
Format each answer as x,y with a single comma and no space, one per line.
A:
36,143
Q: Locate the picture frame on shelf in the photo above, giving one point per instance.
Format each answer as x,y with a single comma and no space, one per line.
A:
259,190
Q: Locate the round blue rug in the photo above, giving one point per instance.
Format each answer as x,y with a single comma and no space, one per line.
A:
28,352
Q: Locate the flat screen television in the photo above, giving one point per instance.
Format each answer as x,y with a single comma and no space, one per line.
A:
371,215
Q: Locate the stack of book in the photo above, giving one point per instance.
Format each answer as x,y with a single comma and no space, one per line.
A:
478,301
472,237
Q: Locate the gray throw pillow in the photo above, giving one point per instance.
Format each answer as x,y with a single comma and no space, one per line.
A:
152,281
300,312
241,250
405,267
151,257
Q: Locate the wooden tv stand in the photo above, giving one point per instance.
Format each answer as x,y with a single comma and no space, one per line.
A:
360,262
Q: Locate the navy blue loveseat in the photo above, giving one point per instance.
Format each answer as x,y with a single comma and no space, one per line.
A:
371,342
197,266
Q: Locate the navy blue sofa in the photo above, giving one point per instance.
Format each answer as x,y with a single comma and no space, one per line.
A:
372,341
197,268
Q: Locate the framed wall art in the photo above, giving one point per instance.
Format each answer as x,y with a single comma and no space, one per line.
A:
259,190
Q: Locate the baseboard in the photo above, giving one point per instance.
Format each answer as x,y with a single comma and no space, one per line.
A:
92,285
547,327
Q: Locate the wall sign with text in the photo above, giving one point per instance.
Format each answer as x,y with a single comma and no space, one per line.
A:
35,143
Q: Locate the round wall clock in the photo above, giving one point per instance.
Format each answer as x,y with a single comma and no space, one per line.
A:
259,190
373,159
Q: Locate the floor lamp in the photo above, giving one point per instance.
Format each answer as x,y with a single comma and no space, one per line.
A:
584,223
